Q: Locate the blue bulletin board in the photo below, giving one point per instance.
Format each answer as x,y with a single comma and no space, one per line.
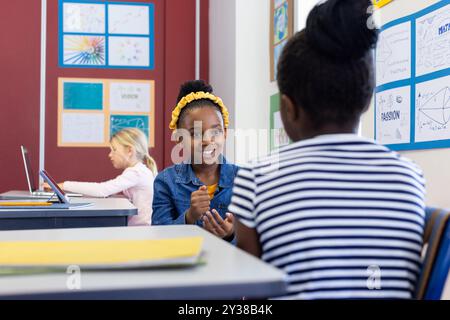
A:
412,97
104,34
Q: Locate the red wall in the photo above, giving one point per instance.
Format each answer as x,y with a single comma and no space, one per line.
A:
20,34
19,87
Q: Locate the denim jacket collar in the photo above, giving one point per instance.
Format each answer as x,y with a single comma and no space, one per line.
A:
186,175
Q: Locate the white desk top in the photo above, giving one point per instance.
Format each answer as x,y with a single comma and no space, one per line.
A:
228,273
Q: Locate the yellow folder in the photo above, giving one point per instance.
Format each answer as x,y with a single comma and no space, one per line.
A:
101,254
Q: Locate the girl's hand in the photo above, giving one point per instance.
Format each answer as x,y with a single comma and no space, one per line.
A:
200,202
47,187
214,223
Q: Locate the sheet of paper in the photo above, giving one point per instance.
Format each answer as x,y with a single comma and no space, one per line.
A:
84,17
126,19
129,51
130,97
433,110
84,50
393,54
433,41
393,116
83,128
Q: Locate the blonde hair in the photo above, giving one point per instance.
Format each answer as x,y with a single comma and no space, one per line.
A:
133,137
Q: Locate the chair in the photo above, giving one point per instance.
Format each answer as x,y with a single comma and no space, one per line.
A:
436,263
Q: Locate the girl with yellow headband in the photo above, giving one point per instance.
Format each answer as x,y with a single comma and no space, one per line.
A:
198,190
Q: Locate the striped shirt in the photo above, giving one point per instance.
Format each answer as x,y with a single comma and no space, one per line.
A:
342,216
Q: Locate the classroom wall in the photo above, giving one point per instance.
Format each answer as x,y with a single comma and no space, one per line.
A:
20,87
433,162
240,69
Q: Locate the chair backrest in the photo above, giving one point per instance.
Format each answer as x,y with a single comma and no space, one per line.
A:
436,262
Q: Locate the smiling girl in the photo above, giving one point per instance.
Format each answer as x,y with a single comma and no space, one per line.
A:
198,190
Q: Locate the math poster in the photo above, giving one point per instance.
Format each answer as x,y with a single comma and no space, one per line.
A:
90,111
412,97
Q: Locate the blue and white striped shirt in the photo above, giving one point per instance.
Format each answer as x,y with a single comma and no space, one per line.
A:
342,216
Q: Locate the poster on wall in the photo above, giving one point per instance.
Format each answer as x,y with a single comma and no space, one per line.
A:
412,99
281,29
103,34
90,111
278,136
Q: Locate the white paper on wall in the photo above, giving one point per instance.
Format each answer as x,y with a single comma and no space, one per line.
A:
433,110
393,54
129,51
393,116
83,128
433,41
126,19
84,18
130,97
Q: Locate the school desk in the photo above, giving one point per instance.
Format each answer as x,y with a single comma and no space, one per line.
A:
108,212
227,272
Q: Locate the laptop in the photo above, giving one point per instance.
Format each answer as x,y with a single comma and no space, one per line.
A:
32,186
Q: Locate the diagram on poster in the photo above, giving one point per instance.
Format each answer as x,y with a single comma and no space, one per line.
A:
84,17
119,122
393,54
130,96
393,116
433,110
83,128
129,51
433,41
84,50
124,19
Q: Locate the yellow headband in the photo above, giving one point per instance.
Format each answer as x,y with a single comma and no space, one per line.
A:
198,96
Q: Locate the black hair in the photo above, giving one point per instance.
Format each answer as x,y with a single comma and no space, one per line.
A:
192,87
327,68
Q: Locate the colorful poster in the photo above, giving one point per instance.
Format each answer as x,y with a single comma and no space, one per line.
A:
90,110
84,50
106,35
119,122
281,29
281,23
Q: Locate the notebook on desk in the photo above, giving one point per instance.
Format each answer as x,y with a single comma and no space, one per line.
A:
102,254
32,186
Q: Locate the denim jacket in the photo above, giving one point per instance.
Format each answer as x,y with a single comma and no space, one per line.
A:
173,188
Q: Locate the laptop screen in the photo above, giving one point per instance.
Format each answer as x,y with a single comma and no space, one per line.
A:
62,196
28,171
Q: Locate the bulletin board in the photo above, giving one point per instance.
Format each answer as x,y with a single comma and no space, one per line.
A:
412,97
90,111
106,34
281,29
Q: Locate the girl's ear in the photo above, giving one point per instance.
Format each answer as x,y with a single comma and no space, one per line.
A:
288,108
225,133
